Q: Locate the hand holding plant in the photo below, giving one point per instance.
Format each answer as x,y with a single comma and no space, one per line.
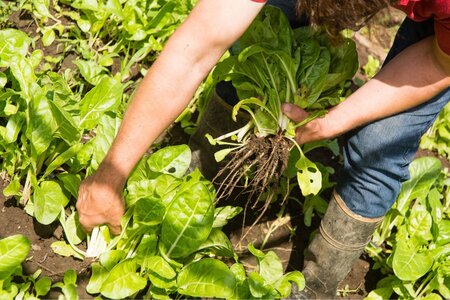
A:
100,202
311,131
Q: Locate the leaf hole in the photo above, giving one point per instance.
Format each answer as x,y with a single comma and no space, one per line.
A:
312,170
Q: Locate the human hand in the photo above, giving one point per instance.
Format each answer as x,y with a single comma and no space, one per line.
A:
311,131
100,202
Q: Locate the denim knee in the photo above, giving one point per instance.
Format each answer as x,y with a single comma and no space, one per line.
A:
377,157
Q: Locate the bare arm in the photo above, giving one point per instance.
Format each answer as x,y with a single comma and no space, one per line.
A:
166,90
413,77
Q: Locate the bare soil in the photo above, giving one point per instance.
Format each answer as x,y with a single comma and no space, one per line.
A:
14,220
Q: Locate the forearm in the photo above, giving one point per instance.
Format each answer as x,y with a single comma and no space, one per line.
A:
413,77
158,101
173,79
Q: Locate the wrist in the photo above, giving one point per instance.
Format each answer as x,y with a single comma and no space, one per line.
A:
110,174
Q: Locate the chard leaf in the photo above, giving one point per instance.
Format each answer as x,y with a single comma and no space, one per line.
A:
114,7
149,212
419,226
424,172
310,51
42,286
104,97
284,284
218,243
13,127
111,258
221,154
225,213
123,281
206,278
70,291
408,263
188,220
13,188
166,186
66,127
85,4
73,230
344,63
91,71
62,158
64,249
49,200
23,72
380,294
270,28
41,7
12,42
99,275
13,251
308,175
71,182
146,248
239,272
42,125
270,267
106,131
258,287
140,189
313,79
160,273
172,160
444,233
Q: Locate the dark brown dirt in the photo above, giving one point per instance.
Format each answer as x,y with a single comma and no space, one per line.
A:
14,220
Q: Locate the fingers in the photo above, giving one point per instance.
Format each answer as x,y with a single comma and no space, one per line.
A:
88,222
294,112
98,205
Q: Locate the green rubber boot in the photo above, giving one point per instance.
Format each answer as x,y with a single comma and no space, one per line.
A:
216,120
341,239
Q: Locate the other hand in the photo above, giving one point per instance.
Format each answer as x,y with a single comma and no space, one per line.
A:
311,131
100,202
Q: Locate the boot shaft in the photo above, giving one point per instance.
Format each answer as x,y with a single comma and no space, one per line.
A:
331,254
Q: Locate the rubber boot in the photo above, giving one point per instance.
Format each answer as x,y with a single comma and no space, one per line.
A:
341,239
216,120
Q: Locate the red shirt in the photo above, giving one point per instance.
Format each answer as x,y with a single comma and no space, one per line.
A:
439,10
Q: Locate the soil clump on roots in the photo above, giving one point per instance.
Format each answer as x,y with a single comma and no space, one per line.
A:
256,169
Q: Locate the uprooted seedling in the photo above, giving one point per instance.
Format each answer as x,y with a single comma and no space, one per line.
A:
270,65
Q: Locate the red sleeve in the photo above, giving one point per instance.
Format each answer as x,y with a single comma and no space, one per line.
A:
259,1
439,10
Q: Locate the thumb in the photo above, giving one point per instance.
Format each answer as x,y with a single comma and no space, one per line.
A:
294,112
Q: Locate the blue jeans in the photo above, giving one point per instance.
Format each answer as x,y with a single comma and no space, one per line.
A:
377,155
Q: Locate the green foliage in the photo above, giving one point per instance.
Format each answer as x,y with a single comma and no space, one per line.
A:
372,66
437,138
42,125
416,236
14,284
171,242
272,64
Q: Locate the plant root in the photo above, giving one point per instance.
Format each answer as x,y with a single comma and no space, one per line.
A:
262,161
